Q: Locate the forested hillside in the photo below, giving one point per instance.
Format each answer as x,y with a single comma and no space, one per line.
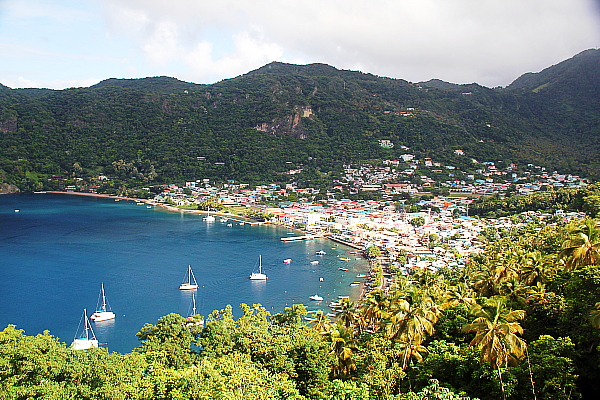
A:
257,126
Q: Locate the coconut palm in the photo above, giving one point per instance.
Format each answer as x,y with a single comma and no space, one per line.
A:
538,294
535,268
321,323
410,352
484,283
343,346
506,265
459,294
347,311
411,322
515,291
583,246
496,330
373,308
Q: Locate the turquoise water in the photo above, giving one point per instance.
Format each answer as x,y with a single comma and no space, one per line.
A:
58,249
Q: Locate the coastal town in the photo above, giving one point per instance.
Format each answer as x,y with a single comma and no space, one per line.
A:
407,224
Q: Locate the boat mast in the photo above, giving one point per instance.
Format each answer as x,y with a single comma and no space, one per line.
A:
103,299
87,327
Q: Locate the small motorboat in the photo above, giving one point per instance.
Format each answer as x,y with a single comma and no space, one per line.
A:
287,261
316,297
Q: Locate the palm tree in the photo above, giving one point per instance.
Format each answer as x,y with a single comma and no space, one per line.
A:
515,291
535,268
495,329
321,323
411,322
343,345
346,313
583,246
411,351
459,294
372,308
484,283
506,266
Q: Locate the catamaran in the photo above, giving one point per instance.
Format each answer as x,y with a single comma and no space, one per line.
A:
104,313
87,340
258,276
190,280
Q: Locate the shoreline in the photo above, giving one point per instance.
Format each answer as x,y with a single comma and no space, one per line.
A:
362,289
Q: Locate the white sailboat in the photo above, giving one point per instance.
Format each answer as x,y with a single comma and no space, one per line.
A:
190,280
87,340
209,218
104,313
258,276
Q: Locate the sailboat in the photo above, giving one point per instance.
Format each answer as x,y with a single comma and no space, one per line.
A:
104,313
258,276
87,340
209,218
190,281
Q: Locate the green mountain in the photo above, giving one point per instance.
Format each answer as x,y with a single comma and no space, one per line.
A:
160,84
257,126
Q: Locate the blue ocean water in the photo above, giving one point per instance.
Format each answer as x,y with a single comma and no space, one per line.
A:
57,250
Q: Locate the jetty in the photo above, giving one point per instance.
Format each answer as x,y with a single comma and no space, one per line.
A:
292,238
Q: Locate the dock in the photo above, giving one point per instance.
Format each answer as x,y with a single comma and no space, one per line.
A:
292,238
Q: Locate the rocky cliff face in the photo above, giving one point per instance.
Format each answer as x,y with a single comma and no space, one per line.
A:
288,125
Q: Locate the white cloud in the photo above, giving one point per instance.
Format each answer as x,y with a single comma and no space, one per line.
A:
250,52
58,84
461,41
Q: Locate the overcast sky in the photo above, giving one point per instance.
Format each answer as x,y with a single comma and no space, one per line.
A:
72,43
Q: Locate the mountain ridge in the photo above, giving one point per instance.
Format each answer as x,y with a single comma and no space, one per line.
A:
258,125
317,69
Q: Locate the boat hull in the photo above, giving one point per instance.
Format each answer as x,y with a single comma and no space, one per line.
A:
258,277
188,286
84,344
100,316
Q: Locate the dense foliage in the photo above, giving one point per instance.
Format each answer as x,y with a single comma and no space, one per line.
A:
257,126
584,199
522,321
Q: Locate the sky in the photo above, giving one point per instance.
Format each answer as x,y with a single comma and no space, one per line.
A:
59,44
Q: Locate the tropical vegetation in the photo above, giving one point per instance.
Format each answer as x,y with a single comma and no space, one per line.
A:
257,127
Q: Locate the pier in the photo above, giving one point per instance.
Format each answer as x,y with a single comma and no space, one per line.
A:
292,238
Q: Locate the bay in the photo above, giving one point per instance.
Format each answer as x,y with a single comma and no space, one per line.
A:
57,250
